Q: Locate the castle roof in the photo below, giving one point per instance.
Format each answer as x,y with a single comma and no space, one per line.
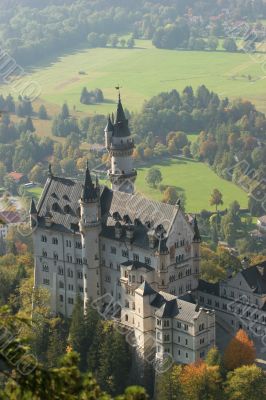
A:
61,197
90,192
120,127
145,289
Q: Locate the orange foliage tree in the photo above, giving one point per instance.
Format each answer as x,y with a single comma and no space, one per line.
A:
201,381
240,351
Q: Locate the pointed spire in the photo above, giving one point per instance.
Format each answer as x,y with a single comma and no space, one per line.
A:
109,127
33,209
89,190
50,172
120,115
197,237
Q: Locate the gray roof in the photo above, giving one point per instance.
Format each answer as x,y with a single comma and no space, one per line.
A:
170,306
255,277
60,198
145,289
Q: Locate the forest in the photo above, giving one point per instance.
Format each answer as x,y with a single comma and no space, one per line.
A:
31,31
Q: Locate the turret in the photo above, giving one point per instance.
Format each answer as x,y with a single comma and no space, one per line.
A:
109,130
33,214
90,228
120,147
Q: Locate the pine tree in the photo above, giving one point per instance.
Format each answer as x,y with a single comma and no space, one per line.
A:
29,125
65,112
77,335
42,112
92,318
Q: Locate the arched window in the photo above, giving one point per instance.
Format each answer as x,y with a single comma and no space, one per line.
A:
126,318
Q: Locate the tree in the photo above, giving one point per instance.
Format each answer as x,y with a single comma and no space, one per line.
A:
200,381
169,384
37,174
170,195
246,383
240,351
213,43
77,332
29,125
122,42
42,113
230,45
216,199
131,43
113,40
65,112
153,177
214,358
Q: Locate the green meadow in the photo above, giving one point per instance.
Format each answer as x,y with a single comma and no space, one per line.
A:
143,72
194,178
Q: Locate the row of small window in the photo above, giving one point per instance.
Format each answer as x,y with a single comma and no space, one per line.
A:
70,287
180,243
70,300
78,245
182,326
166,337
179,340
180,289
125,254
111,265
69,258
246,299
70,273
166,323
188,272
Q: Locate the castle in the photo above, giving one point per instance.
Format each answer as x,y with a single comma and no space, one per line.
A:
145,255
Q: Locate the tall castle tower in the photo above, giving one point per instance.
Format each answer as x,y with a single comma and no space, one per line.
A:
90,228
120,147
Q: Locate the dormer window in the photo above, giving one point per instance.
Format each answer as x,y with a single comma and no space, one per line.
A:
65,197
67,209
55,207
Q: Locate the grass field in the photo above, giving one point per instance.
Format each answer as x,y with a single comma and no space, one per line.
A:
143,72
196,179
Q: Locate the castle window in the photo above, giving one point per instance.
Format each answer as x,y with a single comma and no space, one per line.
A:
61,298
81,289
209,302
186,327
44,253
54,240
126,318
186,355
45,268
118,267
125,253
78,245
65,197
85,261
69,258
43,238
111,265
103,247
70,300
79,260
179,325
133,278
141,279
186,342
46,281
135,257
55,256
61,285
159,322
178,339
80,275
113,250
60,271
70,273
166,323
68,243
71,287
147,260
